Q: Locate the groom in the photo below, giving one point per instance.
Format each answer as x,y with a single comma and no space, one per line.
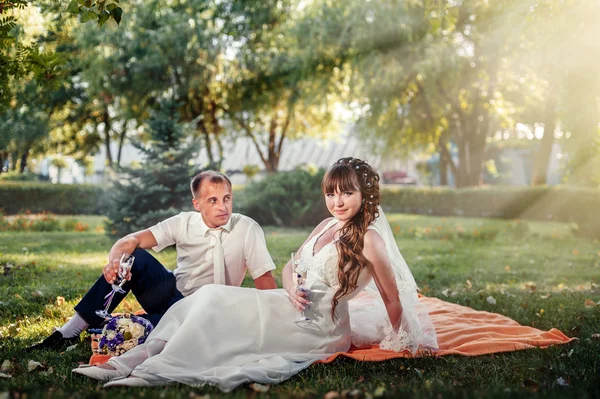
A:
213,246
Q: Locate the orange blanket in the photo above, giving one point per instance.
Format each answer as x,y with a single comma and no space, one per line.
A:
460,331
464,331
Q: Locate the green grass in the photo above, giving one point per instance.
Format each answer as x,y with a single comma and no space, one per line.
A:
539,274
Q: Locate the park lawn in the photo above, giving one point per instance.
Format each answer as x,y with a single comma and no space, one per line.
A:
538,273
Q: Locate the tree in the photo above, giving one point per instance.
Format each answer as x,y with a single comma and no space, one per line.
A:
565,54
19,58
159,187
433,74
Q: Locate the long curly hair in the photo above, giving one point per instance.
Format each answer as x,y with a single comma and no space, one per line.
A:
352,174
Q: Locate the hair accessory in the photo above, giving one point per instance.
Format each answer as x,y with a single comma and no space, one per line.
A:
371,195
357,166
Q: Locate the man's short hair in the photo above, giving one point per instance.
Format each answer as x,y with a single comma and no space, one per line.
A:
210,176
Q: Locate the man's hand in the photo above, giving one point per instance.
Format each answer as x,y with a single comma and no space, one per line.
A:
111,271
299,299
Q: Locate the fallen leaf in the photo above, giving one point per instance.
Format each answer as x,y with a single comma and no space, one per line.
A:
361,379
575,331
18,296
575,252
13,330
468,284
561,382
60,300
32,365
589,303
532,287
6,365
256,387
379,391
47,312
507,268
2,375
70,348
445,292
331,395
491,300
531,385
595,336
50,371
545,296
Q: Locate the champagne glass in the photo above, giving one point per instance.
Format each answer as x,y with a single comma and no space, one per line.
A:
299,278
125,265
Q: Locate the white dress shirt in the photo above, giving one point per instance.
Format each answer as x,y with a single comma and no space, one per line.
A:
244,247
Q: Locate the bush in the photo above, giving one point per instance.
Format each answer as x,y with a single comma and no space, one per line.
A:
285,199
60,199
44,221
25,176
295,199
558,203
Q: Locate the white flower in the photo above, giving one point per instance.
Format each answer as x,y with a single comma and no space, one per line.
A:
127,345
137,330
124,322
110,334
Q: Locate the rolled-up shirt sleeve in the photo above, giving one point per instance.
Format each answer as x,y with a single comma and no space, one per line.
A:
167,232
256,254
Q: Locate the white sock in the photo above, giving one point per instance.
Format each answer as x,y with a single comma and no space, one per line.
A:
73,327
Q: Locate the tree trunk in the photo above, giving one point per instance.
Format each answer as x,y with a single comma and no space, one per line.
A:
202,127
23,163
216,131
3,157
106,121
273,155
13,158
443,171
541,160
446,160
120,149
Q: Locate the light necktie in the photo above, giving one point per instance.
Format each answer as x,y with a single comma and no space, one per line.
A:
218,257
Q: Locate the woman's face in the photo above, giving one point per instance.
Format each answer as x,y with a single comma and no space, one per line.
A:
343,205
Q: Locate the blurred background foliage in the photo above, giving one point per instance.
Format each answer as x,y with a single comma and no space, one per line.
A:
452,78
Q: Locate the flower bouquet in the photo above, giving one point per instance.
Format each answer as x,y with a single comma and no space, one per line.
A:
123,333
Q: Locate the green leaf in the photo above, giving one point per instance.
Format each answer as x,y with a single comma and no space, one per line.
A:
73,7
88,16
116,14
104,16
111,7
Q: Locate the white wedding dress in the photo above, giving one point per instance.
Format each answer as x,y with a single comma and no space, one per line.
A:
226,336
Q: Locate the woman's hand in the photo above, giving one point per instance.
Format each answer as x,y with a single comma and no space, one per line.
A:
298,298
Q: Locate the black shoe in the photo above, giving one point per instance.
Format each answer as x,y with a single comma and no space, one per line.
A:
55,341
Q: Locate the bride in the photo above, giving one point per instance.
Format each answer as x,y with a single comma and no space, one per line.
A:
227,336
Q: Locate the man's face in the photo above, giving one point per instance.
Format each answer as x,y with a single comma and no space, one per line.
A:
214,201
